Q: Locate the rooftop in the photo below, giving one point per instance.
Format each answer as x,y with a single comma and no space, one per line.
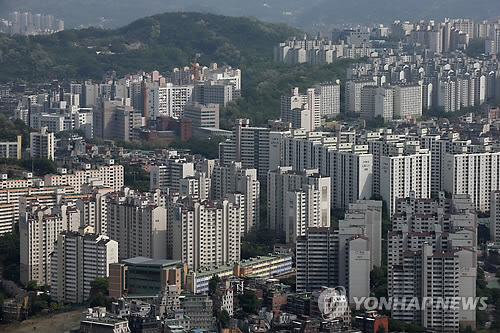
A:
151,262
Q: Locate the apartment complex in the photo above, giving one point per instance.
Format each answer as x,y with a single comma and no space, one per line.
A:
138,224
78,260
42,144
11,149
297,201
206,234
110,176
432,253
39,229
343,256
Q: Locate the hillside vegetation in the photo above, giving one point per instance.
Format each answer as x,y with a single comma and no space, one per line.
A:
170,40
156,42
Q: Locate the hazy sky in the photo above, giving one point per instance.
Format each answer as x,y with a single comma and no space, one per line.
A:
302,13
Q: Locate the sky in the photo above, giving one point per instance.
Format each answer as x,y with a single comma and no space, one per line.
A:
311,15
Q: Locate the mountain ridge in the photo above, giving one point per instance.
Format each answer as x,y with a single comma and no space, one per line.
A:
159,42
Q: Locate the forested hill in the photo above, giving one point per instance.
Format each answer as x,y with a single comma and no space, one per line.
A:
157,42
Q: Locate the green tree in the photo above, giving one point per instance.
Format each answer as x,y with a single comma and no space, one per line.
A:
378,281
224,319
476,47
249,302
32,285
40,166
99,286
258,242
290,281
9,255
482,317
381,329
467,329
212,284
98,300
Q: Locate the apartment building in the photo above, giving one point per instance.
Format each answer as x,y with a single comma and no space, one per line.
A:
255,147
78,260
137,224
168,100
10,199
302,111
42,144
110,176
167,175
319,262
432,253
207,233
242,187
408,101
328,98
401,175
474,174
11,149
353,91
297,201
38,230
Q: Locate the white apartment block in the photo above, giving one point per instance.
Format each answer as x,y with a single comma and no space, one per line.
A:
7,218
297,201
439,146
168,100
321,256
138,225
377,101
78,260
255,147
94,210
400,175
495,216
302,111
53,122
198,186
432,253
364,217
11,196
11,149
349,166
299,117
351,173
110,176
328,98
353,94
42,144
225,74
474,174
390,145
242,187
166,177
207,234
39,229
407,101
